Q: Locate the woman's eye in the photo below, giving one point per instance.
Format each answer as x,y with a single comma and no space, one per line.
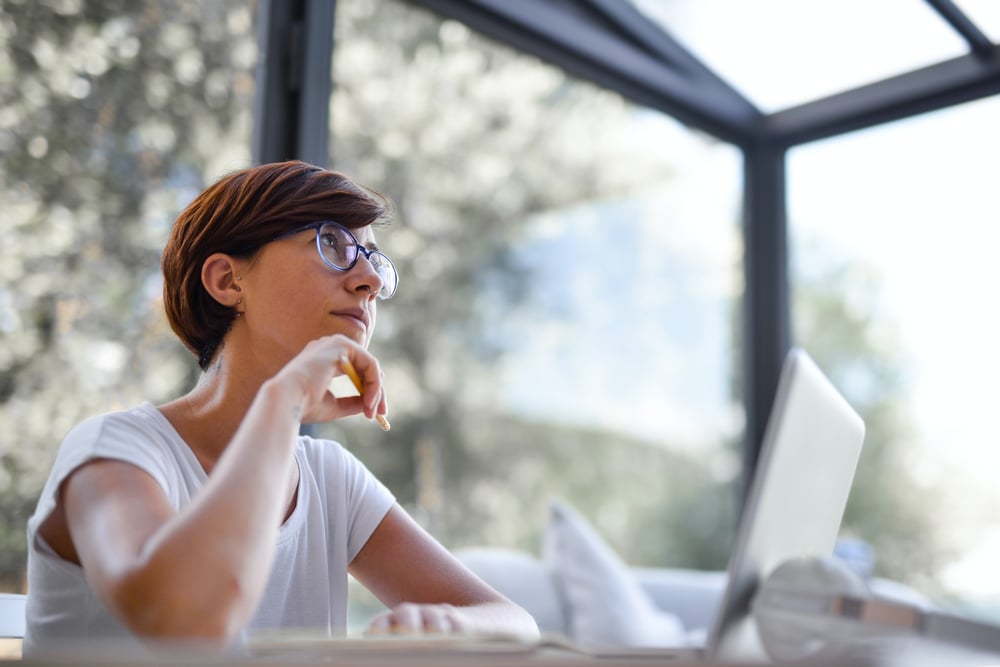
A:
330,241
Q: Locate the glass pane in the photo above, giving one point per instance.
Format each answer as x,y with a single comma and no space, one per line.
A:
781,53
570,281
112,117
985,14
894,241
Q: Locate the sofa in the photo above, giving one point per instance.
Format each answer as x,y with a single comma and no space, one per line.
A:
679,602
581,589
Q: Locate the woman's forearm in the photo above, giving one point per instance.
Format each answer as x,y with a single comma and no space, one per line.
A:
203,572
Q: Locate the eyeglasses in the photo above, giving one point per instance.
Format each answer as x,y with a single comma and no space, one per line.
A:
340,249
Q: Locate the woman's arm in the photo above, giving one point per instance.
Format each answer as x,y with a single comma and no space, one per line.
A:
200,572
427,589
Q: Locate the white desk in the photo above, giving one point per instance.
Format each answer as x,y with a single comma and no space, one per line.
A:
380,654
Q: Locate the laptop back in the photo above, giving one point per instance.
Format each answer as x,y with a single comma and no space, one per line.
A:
796,499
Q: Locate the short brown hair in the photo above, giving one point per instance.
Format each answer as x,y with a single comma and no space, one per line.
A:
238,215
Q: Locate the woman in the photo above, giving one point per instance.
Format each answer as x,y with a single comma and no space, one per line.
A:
209,516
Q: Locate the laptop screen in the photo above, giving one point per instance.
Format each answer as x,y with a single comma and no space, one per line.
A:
796,499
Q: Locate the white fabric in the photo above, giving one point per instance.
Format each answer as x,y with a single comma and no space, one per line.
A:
339,505
607,606
11,616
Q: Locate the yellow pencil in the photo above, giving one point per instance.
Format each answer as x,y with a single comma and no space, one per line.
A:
348,368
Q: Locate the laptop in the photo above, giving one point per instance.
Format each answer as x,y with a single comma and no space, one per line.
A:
794,507
796,499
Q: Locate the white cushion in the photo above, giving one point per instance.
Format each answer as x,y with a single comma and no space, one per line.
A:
12,614
694,595
606,605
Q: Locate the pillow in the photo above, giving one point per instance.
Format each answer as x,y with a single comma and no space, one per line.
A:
606,604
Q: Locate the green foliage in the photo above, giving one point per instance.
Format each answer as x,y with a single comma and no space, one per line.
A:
471,140
648,501
836,312
653,505
112,115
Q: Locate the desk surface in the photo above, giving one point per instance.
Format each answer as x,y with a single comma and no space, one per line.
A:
376,653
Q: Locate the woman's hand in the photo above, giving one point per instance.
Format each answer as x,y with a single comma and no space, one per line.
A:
308,374
429,591
419,619
484,619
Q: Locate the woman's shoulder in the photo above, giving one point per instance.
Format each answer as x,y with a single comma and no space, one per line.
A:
135,436
342,480
139,435
320,452
143,418
330,460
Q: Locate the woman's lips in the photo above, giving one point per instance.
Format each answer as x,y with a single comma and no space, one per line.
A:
358,317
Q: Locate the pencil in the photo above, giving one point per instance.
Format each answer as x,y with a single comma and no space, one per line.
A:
348,368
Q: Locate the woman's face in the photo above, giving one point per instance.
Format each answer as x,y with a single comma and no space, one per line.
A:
291,296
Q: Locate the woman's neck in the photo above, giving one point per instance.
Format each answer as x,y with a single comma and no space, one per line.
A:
208,416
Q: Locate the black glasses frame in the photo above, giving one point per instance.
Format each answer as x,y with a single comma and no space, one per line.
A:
388,281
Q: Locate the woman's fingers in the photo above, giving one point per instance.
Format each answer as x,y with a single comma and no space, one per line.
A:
367,374
380,625
436,620
368,382
410,618
325,358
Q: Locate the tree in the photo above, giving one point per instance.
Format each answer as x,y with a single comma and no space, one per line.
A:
837,317
112,116
470,139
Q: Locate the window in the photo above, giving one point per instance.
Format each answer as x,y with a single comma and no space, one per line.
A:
900,221
112,117
565,323
782,53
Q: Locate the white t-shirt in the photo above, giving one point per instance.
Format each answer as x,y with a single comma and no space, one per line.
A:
339,505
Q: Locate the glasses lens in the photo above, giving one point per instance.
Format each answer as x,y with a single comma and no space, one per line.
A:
387,272
338,246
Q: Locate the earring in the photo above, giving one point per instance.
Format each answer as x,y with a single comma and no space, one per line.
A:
239,301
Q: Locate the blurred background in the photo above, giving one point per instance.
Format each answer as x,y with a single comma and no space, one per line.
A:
569,316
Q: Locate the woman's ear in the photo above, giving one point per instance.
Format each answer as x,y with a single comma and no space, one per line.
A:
219,275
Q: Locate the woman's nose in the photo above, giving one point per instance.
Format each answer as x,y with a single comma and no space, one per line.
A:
365,276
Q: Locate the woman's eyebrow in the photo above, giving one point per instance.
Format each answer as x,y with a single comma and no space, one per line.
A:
369,244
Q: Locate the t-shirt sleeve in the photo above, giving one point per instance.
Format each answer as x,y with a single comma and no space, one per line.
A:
366,499
109,436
